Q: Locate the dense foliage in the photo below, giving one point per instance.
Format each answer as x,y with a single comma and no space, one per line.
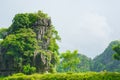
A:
26,20
83,66
20,48
116,48
69,61
67,76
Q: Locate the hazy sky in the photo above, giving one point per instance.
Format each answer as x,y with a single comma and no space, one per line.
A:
86,25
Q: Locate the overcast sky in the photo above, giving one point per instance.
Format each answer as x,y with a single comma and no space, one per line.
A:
86,25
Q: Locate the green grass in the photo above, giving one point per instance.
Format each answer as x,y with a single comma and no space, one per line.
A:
66,76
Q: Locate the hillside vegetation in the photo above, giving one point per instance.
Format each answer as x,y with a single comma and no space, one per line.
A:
105,61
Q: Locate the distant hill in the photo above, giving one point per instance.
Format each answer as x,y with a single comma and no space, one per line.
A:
105,60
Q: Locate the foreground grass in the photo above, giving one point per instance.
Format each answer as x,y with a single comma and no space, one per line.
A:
66,76
2,78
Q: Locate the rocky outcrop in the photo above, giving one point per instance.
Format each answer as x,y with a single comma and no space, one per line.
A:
42,29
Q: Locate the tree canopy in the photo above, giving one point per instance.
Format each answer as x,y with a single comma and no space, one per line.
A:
69,60
116,48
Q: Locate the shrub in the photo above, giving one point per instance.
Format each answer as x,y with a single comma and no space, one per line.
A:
66,76
27,69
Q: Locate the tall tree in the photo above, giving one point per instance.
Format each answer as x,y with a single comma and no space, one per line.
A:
70,60
83,66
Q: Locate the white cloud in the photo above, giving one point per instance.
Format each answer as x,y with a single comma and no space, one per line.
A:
95,25
89,34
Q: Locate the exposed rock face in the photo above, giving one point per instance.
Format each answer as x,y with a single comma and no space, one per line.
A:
41,28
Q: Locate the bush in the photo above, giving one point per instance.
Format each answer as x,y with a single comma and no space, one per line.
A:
27,69
66,76
52,70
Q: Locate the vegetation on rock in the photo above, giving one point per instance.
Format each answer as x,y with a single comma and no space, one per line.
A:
29,44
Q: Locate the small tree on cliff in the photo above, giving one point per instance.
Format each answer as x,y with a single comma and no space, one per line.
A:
116,48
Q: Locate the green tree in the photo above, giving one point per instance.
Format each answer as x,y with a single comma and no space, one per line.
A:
53,46
20,47
83,66
70,60
19,21
27,69
26,20
116,48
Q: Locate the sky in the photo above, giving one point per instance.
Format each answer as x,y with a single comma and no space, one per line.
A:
84,25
